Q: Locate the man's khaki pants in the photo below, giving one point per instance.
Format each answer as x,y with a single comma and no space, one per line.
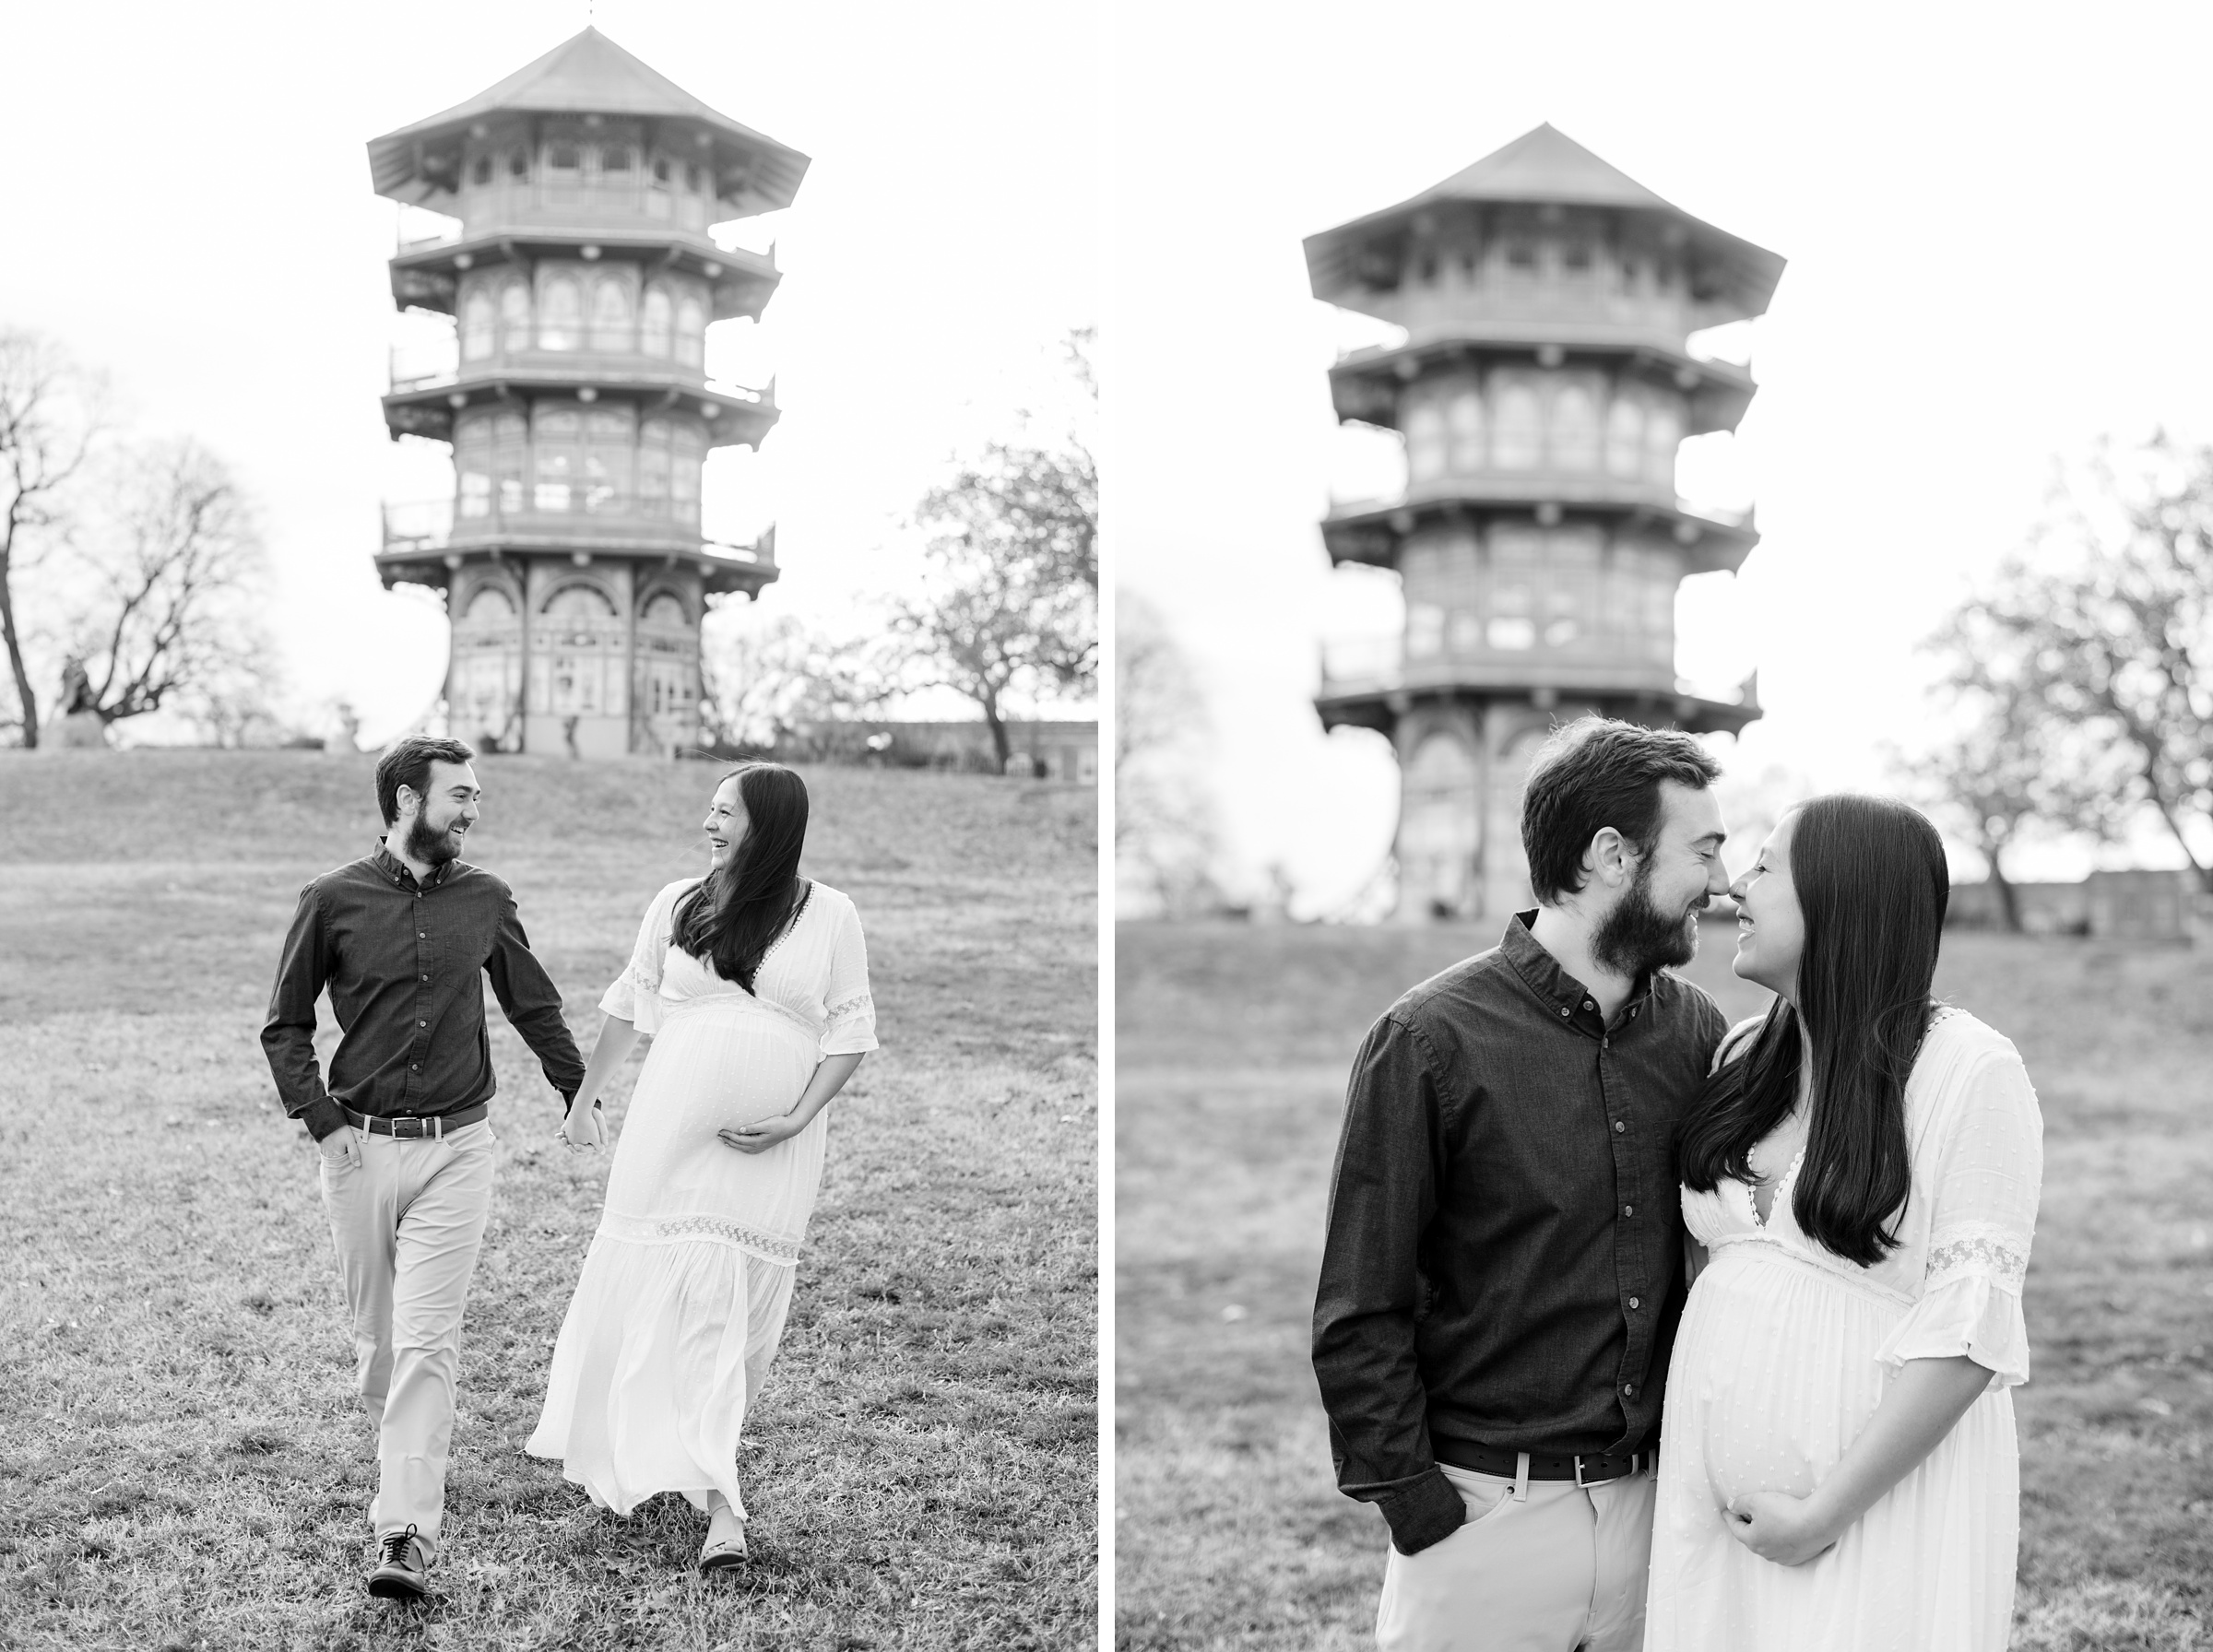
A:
408,1221
1540,1565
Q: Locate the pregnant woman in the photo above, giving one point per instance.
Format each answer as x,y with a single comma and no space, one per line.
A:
754,985
1839,1468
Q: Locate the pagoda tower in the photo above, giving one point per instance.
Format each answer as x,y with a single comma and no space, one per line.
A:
1543,389
581,281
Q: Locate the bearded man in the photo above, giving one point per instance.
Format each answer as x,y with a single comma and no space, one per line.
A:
1503,1268
399,939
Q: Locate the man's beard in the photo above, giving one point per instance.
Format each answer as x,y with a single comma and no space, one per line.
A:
1637,937
432,848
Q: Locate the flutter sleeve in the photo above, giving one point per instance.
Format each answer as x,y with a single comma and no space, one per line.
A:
850,1012
635,995
1990,1174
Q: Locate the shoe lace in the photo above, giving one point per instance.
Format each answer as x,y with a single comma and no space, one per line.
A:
396,1546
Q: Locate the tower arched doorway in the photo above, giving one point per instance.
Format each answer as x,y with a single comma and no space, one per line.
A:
1439,828
484,690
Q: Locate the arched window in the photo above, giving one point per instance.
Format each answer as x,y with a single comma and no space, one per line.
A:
691,332
610,315
1425,440
657,188
1574,427
579,602
666,609
1624,436
1464,418
472,464
490,605
609,445
688,451
1662,434
560,315
654,333
1517,441
518,164
481,173
653,467
515,318
510,458
615,162
555,447
477,336
1516,565
586,674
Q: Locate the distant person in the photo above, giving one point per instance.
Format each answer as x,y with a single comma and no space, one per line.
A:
1504,1266
402,939
1841,1470
754,983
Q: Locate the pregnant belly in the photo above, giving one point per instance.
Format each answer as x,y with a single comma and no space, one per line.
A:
710,1071
1774,1373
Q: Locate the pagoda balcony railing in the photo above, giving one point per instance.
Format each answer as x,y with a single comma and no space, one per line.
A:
481,208
1569,489
550,350
565,511
1354,665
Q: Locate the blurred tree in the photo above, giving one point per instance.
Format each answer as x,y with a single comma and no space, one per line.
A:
2096,646
785,685
1012,583
51,422
1165,840
161,606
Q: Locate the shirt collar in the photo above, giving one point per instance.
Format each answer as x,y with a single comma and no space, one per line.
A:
1570,1000
391,867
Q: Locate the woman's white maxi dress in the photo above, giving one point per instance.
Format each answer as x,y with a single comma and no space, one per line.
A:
683,1292
1786,1351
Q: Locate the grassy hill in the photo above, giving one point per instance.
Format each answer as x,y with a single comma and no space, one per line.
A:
182,1461
1231,1057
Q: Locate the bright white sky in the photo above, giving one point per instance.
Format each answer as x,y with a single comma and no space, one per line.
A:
187,205
1997,241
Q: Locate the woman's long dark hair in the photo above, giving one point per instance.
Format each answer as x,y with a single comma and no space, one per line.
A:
734,916
1872,886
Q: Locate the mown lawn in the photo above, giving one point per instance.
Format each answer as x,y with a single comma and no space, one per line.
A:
1233,1045
182,1461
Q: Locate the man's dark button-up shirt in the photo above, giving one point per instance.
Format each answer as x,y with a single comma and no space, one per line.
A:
1504,1258
401,961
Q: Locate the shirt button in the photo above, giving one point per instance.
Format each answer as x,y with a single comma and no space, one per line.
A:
426,977
1628,1210
1630,1389
1619,1127
1565,1011
423,1024
414,1067
423,934
1589,1004
1633,1301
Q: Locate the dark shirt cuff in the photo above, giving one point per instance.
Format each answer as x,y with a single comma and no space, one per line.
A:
1428,1511
322,1118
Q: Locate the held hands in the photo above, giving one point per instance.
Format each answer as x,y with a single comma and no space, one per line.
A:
584,1127
763,1133
1775,1526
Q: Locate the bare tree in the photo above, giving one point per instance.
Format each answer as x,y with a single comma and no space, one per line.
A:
778,683
162,615
1165,843
52,419
2107,624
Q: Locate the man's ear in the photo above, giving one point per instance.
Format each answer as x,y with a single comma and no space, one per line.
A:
1609,859
404,801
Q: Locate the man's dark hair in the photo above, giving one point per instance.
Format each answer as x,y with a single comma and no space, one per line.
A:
409,765
1594,773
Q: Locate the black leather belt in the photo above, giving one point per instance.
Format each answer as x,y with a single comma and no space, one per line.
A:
1587,1468
417,1130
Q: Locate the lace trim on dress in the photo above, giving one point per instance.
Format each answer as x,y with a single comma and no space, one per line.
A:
1977,1249
860,1004
676,1229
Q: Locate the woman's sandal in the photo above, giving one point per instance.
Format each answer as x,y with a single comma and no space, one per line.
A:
722,1554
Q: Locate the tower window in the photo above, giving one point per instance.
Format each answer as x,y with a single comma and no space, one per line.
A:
610,315
614,158
654,336
691,332
518,163
482,173
564,158
691,178
561,315
660,169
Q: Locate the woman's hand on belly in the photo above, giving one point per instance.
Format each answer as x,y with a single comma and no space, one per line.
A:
762,1134
1777,1526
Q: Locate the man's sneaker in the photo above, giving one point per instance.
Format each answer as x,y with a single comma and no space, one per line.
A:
403,1570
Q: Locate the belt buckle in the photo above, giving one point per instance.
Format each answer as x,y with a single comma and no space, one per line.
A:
414,1132
1580,1482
